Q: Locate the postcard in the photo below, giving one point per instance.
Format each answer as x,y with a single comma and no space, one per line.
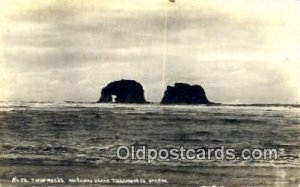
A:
149,93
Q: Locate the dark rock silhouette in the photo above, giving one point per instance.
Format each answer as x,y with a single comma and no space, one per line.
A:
126,91
182,93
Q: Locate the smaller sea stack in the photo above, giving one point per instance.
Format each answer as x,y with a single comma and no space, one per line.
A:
183,93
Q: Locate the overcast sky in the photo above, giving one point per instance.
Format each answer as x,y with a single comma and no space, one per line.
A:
240,51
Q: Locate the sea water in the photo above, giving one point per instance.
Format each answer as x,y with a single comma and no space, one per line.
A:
79,140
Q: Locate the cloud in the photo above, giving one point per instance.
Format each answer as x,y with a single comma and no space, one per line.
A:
78,47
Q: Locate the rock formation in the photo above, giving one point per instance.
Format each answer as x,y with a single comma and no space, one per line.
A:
182,93
126,91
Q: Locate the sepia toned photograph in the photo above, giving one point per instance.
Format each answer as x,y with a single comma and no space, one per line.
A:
149,93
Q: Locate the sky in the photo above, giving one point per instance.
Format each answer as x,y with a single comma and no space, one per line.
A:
240,51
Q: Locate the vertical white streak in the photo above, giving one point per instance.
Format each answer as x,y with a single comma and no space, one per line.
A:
165,46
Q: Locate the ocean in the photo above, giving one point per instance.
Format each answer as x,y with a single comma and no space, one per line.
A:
69,140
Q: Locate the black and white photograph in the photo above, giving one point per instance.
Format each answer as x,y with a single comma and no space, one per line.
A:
149,93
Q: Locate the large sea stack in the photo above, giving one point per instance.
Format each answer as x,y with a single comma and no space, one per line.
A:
125,91
183,93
